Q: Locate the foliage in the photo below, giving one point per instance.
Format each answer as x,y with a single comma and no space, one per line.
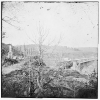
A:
5,50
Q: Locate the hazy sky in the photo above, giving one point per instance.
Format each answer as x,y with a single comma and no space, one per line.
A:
75,23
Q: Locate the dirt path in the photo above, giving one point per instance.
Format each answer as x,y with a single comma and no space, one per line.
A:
6,70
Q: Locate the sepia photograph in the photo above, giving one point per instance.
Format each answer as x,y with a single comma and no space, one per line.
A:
49,49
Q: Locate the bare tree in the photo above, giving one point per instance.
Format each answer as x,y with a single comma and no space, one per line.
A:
42,36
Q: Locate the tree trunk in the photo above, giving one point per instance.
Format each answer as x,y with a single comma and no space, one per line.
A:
39,82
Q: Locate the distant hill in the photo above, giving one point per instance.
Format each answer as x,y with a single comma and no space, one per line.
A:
89,49
58,50
28,50
47,49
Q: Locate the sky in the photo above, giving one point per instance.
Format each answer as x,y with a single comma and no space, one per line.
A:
65,24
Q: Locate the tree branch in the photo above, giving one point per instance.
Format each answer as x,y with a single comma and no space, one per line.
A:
11,24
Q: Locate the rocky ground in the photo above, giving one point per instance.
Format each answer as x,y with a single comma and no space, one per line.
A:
19,80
